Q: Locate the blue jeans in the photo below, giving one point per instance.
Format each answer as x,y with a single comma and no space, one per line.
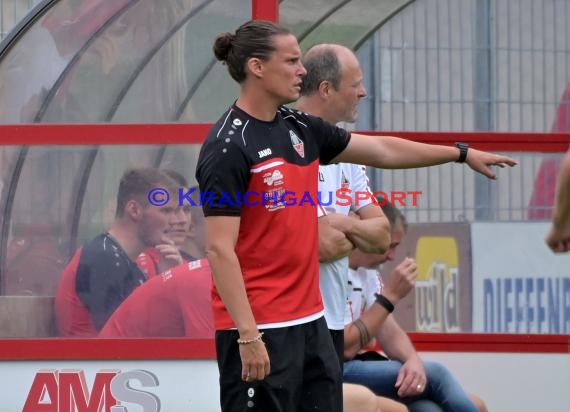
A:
443,390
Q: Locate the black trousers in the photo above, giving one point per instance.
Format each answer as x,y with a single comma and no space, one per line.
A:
338,342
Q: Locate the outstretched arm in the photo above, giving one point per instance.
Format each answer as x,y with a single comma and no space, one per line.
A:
390,152
558,238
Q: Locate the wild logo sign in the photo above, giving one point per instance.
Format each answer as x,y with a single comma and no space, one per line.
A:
437,304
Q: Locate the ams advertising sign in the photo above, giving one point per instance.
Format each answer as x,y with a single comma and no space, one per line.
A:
67,391
110,386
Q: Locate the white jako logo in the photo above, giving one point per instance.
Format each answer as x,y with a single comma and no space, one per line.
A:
263,153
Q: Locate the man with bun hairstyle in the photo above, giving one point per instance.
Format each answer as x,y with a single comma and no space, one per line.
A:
273,347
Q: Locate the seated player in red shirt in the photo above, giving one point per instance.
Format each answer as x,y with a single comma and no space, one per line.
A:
175,303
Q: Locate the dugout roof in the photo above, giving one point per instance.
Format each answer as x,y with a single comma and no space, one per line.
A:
148,61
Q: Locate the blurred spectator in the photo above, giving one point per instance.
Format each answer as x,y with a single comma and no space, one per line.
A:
558,238
160,258
542,198
34,257
195,242
103,273
34,261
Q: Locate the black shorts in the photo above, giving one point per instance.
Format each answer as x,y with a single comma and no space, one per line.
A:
305,373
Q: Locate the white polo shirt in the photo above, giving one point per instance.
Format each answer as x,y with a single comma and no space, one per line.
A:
334,275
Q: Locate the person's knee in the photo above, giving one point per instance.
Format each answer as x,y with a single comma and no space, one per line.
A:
390,405
358,398
436,370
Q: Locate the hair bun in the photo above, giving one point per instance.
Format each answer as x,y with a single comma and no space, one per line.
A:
223,45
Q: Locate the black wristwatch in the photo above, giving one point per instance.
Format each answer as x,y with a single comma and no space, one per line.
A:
462,151
384,302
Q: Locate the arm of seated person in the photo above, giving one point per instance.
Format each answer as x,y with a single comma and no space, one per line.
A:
396,343
359,333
